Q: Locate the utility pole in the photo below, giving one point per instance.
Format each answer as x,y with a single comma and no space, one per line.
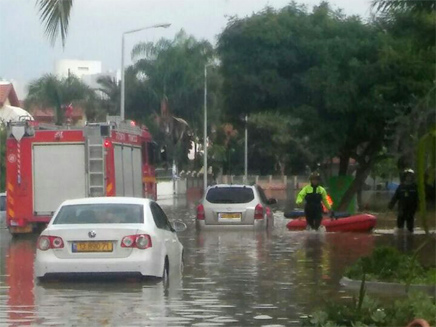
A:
246,152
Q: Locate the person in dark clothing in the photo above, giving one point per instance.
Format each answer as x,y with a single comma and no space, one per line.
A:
407,197
313,194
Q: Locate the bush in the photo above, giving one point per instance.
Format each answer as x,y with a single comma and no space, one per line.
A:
387,264
371,313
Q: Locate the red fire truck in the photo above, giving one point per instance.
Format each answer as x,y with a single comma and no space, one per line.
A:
47,164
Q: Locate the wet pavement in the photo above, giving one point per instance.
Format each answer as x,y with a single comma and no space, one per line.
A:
231,278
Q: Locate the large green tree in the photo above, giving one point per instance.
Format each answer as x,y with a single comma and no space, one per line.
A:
275,145
343,78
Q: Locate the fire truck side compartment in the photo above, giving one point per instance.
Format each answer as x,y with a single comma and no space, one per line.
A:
137,172
128,174
59,174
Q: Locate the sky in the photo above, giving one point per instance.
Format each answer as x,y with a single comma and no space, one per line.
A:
96,27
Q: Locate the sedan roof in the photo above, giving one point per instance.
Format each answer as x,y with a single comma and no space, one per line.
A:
108,200
231,185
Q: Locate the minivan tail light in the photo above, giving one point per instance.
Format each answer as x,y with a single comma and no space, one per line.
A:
200,212
49,242
258,212
140,241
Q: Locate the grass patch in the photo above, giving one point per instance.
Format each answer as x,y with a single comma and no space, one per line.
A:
387,264
370,312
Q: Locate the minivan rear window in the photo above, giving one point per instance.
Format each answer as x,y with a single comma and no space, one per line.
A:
230,195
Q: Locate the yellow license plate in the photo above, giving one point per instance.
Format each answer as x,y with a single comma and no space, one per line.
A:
230,215
92,247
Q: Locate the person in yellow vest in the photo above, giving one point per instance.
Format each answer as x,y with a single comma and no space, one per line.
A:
314,196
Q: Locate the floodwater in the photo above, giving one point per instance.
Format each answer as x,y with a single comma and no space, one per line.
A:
231,278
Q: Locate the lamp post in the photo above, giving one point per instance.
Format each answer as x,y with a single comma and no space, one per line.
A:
205,128
246,152
122,111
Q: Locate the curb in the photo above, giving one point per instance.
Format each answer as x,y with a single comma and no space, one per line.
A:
384,287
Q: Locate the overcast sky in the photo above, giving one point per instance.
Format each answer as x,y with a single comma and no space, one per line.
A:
96,27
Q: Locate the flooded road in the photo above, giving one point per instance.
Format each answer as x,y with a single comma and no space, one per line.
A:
231,278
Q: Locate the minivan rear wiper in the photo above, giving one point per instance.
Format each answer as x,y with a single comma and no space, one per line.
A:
223,201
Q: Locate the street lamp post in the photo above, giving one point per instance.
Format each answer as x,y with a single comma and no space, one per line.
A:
122,111
246,152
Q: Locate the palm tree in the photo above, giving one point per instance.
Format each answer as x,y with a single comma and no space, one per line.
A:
404,5
51,92
55,15
111,90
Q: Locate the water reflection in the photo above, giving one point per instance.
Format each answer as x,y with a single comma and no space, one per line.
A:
19,281
99,304
231,277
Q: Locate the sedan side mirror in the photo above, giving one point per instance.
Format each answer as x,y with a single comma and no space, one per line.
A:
272,201
179,226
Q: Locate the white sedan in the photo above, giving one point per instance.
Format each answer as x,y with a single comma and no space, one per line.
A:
109,236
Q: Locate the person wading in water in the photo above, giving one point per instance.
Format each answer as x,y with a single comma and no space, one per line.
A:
407,197
314,195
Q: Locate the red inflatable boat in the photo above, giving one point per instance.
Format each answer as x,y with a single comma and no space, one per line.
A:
356,223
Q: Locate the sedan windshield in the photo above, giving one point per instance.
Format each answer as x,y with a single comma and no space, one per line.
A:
230,195
102,213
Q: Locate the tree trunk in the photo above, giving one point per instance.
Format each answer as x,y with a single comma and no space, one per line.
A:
282,168
359,198
361,175
59,117
344,160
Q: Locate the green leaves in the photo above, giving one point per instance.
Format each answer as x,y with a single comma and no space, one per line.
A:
345,79
374,313
387,264
404,5
319,318
49,92
55,15
175,68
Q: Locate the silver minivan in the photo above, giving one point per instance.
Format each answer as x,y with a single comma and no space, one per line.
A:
235,206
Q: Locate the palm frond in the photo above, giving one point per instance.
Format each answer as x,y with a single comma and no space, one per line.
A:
142,49
404,5
55,15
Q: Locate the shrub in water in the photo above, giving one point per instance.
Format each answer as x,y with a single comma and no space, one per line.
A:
389,265
371,313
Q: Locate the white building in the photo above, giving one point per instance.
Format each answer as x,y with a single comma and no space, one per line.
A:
79,68
10,105
91,80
